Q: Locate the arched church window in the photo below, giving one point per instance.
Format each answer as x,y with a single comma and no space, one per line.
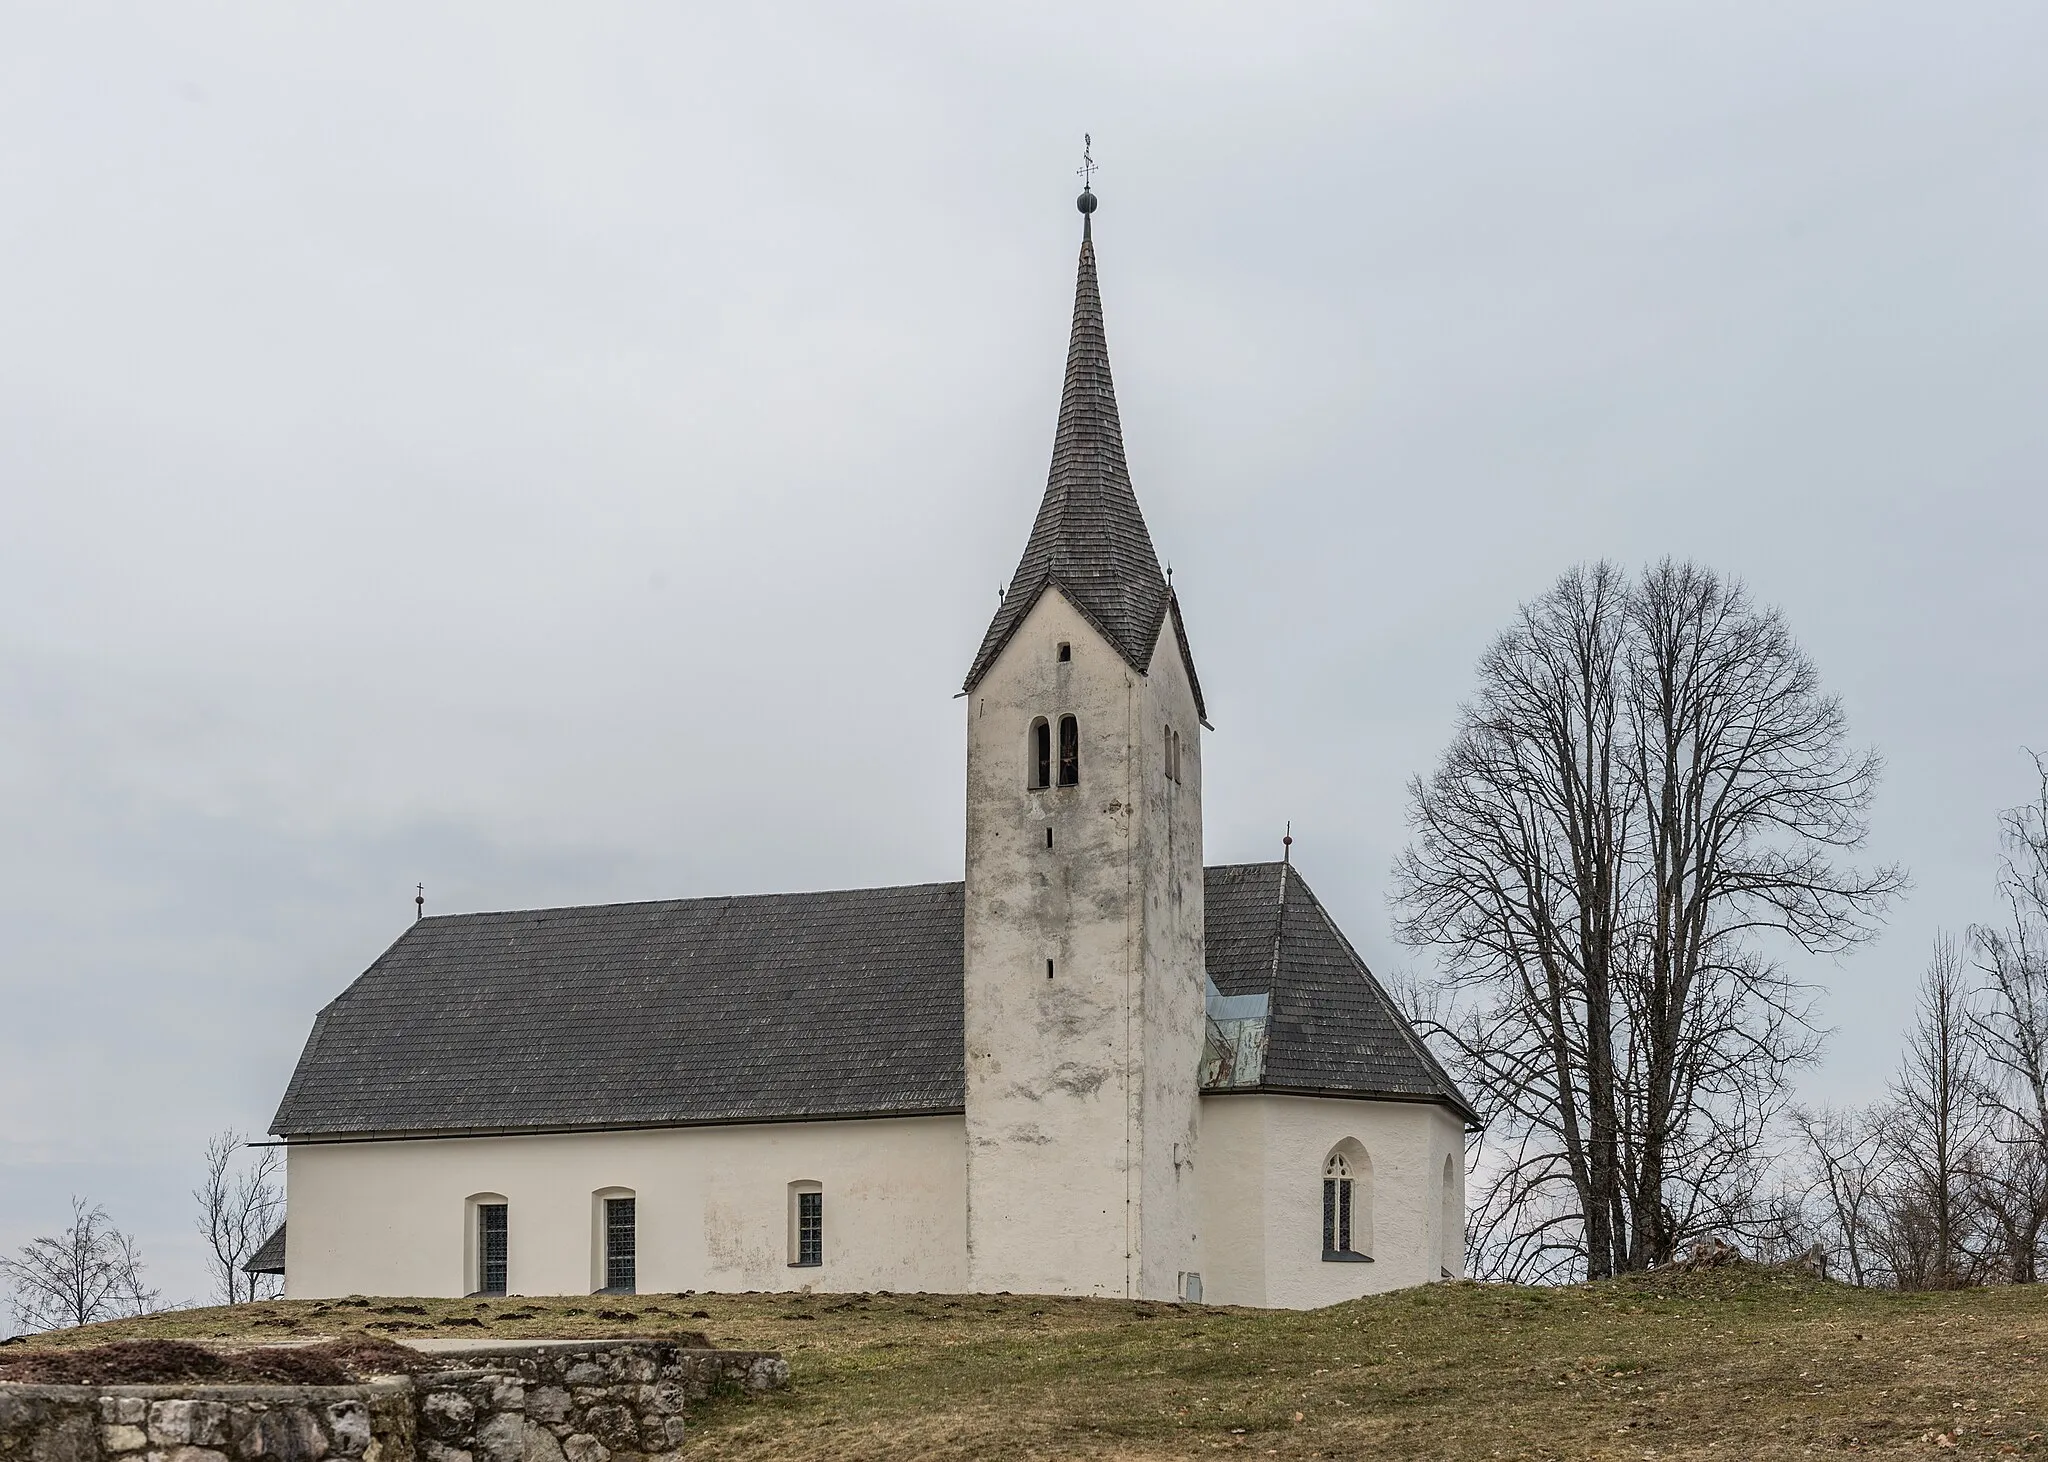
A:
1070,752
1040,775
1347,1205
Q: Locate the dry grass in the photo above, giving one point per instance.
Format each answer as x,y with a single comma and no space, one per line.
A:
1732,1363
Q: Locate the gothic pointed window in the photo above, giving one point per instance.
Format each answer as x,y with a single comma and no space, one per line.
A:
1040,753
1070,752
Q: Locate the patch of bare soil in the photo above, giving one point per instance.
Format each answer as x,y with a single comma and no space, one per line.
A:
160,1362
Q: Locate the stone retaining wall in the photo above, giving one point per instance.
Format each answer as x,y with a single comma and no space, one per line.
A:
577,1401
372,1422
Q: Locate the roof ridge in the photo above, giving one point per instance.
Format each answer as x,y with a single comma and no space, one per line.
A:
701,898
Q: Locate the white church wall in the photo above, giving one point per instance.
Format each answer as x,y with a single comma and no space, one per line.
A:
713,1208
1230,1174
1262,1175
1080,1087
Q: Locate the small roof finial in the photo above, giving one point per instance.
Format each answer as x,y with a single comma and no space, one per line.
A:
419,903
1287,843
1086,171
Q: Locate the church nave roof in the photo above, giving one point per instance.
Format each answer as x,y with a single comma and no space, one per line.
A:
773,1007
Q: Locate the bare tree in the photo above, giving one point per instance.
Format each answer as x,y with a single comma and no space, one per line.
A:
1848,1163
91,1271
2011,1033
1937,1128
1648,779
237,1211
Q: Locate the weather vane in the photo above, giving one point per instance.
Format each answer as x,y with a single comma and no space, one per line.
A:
1086,171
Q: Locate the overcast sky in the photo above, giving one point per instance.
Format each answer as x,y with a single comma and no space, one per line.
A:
561,453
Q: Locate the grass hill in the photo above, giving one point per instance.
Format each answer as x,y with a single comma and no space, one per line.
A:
1732,1363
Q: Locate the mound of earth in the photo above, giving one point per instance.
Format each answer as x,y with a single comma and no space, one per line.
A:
156,1362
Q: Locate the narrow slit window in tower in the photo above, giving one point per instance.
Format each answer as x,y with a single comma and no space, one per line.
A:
1070,752
1066,652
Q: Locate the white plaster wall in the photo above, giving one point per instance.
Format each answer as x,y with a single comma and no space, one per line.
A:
1232,1262
1263,1197
392,1218
1081,1088
1174,963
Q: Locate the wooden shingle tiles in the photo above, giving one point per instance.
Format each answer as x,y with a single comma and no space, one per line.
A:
1089,538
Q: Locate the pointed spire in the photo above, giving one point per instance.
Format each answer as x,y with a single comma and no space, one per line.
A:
1090,537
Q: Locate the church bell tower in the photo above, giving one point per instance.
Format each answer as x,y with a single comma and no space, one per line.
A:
1084,963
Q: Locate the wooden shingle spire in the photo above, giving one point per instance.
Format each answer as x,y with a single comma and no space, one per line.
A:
1089,538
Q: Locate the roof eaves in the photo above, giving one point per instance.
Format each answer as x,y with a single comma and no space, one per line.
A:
1050,579
337,1136
1187,656
1350,1094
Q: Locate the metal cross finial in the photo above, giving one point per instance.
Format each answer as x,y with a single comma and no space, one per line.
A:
420,902
1086,171
1287,843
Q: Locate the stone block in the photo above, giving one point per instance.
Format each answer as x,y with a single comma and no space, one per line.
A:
123,1438
502,1438
582,1447
547,1403
627,1365
123,1410
286,1434
585,1373
188,1423
612,1424
348,1425
436,1452
188,1454
68,1437
508,1393
540,1444
447,1415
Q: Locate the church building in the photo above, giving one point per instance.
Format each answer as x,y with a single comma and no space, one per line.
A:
1095,1066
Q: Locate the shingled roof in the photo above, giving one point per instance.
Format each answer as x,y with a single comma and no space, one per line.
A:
772,1007
1089,538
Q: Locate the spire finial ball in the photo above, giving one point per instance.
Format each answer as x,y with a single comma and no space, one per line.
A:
1086,202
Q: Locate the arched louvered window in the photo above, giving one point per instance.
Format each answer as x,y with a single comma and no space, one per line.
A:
1039,755
1070,752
